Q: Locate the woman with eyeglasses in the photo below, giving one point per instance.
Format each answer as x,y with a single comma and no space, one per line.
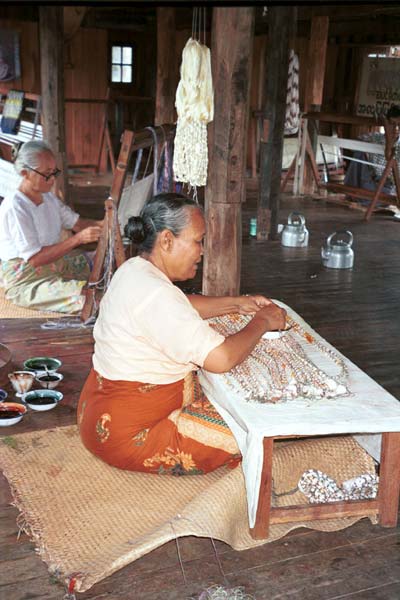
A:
40,271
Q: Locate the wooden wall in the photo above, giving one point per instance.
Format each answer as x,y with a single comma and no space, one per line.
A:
85,77
29,55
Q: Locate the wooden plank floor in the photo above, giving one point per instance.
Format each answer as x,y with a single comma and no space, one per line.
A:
355,310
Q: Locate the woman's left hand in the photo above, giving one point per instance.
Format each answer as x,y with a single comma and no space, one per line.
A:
251,304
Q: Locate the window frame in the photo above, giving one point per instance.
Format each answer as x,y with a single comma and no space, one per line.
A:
133,64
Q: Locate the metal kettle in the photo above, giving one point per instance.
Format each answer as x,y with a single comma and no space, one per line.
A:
337,252
295,233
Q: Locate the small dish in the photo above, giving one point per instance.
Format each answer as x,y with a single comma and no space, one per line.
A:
42,364
11,413
42,399
3,395
49,380
277,333
21,381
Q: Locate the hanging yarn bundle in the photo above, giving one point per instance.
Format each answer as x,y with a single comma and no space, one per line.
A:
195,107
292,114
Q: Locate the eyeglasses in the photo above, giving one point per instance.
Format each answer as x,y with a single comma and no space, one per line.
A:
55,173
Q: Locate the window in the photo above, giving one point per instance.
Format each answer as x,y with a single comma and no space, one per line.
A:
122,64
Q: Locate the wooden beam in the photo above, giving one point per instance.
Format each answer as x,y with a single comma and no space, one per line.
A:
344,118
315,84
52,87
281,24
166,66
231,55
316,62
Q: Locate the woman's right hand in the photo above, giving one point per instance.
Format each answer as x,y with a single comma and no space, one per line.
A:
87,235
273,316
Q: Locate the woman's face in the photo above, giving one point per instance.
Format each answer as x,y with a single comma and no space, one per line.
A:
187,248
46,166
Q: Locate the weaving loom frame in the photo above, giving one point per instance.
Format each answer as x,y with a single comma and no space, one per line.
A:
110,233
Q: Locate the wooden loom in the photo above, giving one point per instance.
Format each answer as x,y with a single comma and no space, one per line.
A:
392,131
131,142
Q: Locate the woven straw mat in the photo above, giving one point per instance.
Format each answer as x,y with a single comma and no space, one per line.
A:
8,310
90,519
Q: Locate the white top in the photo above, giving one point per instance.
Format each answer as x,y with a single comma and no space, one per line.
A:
147,330
26,228
369,409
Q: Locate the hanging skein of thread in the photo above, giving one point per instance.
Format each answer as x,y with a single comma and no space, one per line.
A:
195,107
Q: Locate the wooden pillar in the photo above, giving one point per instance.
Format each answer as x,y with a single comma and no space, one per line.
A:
281,26
52,87
231,55
166,66
315,84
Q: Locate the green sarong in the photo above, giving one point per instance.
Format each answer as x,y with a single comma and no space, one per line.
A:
56,287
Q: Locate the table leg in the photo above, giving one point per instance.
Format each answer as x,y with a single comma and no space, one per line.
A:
261,526
389,480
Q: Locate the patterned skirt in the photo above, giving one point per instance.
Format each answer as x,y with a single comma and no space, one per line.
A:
166,429
56,287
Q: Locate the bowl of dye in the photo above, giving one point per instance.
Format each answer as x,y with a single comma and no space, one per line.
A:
49,380
42,399
42,364
276,333
3,395
11,413
21,381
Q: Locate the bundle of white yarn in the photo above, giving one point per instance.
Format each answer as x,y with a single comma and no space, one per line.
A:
195,107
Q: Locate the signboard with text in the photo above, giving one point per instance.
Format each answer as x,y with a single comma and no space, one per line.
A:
379,87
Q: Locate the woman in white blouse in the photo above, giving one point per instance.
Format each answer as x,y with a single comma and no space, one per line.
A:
142,408
40,271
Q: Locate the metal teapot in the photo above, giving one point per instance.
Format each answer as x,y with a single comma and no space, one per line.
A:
295,233
337,252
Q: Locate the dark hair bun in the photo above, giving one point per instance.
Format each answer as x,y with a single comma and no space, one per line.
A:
135,230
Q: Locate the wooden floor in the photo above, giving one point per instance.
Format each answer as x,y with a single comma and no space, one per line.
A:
357,311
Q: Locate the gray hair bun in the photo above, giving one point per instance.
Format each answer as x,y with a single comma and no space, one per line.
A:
165,211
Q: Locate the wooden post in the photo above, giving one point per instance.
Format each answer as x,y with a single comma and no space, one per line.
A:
281,24
166,66
231,55
261,526
52,87
315,84
389,480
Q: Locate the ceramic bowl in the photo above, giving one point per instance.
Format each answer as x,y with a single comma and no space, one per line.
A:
275,335
42,399
41,364
49,380
11,413
3,395
21,381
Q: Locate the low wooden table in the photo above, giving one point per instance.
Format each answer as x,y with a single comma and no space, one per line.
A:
385,507
366,414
